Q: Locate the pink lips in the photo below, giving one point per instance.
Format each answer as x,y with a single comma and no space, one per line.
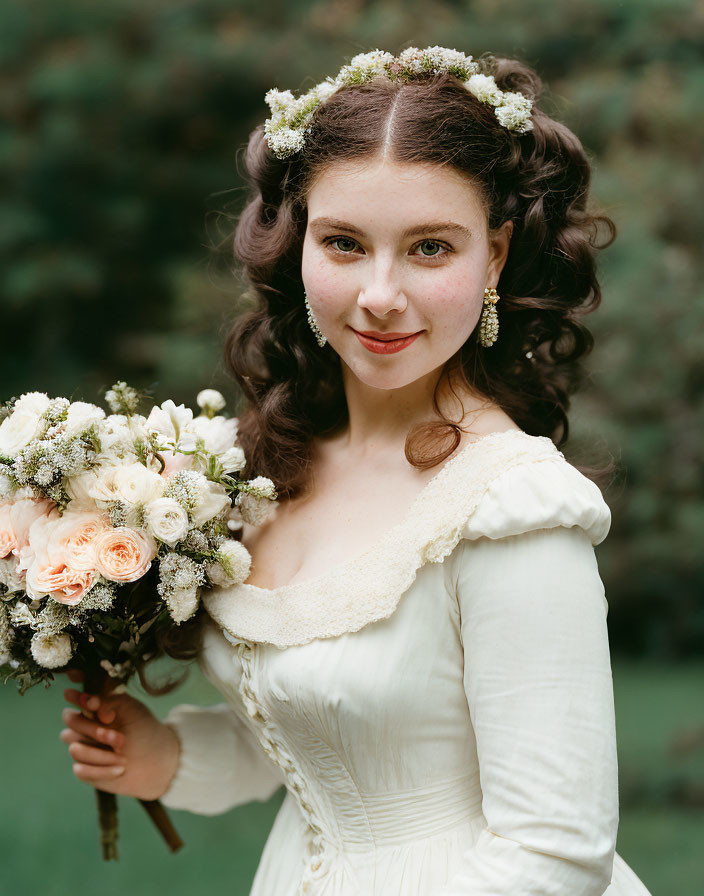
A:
385,345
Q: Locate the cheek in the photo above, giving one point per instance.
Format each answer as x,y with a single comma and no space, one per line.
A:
454,300
322,283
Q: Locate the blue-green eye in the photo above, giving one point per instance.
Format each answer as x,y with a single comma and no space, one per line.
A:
342,239
431,243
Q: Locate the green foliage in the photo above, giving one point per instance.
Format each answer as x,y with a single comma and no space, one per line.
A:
124,123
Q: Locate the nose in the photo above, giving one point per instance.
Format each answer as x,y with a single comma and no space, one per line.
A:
382,294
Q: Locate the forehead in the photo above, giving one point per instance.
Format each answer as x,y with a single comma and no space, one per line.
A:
382,186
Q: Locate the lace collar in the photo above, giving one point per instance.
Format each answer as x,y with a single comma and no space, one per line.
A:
368,587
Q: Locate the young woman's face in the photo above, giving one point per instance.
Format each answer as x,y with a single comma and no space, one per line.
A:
397,248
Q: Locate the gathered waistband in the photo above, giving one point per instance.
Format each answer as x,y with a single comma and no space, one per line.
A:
403,816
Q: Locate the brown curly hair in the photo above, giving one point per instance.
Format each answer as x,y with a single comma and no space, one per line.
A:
292,389
540,180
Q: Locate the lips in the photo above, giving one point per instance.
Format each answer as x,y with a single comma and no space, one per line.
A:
385,337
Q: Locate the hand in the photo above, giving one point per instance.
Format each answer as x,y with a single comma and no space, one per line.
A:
126,749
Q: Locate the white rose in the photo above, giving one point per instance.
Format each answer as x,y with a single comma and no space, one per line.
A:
232,565
210,400
135,484
211,499
51,651
81,416
182,603
24,423
130,483
233,460
169,420
166,520
218,433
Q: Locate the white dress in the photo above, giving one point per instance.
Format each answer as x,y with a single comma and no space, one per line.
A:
440,708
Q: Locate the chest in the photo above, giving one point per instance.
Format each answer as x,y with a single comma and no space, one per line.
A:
339,519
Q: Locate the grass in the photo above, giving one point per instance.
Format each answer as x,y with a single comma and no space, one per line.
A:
48,832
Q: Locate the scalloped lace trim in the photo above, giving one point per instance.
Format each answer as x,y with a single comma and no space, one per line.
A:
368,588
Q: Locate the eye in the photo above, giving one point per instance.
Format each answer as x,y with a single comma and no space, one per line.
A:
342,239
437,245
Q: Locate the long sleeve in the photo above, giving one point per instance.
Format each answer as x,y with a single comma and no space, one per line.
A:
538,681
222,764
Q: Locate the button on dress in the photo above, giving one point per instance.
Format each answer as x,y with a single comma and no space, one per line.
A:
440,708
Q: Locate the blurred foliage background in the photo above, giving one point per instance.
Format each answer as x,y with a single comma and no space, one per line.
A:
121,133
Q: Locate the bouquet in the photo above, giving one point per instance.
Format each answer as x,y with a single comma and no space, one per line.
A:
110,527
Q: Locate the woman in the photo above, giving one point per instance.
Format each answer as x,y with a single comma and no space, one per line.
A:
420,653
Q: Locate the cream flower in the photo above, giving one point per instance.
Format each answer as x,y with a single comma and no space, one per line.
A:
24,423
166,520
182,603
210,400
169,420
484,88
217,433
51,651
81,416
232,565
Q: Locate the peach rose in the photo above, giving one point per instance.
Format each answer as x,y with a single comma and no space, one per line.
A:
60,581
72,539
123,554
8,540
16,519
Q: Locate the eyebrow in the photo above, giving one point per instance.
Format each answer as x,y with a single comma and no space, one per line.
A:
429,227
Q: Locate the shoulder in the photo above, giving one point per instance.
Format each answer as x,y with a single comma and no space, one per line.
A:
538,489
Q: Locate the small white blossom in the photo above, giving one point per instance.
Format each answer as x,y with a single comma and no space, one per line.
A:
202,499
20,614
484,88
179,580
514,112
256,508
122,399
232,564
53,618
210,400
11,576
51,651
6,635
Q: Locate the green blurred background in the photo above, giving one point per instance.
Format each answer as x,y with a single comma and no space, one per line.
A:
121,134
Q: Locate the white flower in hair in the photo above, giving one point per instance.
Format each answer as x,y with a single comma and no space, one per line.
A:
364,66
484,88
290,120
514,112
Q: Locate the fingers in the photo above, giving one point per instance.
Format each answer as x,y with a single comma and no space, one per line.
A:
75,675
97,775
92,702
92,729
92,755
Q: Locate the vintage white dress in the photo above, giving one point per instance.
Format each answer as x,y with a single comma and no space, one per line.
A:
440,708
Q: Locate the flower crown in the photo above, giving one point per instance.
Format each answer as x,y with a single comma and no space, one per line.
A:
290,119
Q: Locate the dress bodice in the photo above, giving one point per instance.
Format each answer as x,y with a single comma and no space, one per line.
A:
440,708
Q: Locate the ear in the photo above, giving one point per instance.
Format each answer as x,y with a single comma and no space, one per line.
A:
499,242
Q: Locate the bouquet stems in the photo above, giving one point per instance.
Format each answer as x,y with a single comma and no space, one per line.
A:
97,683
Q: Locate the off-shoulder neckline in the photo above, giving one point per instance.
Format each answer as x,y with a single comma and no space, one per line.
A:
339,569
